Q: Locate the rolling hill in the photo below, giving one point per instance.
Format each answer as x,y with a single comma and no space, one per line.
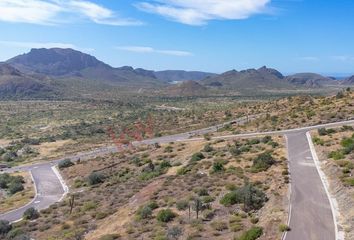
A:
186,88
349,81
15,84
249,80
310,80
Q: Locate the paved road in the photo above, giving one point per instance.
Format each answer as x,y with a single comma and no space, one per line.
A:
311,215
44,177
49,190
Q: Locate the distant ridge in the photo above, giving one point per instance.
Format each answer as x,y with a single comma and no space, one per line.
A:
65,63
15,84
262,78
309,80
55,61
349,80
72,74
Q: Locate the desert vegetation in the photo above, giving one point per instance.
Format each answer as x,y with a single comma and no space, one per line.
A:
336,152
233,189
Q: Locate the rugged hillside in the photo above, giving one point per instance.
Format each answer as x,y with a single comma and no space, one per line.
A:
349,81
310,80
249,80
56,61
68,63
15,84
186,88
180,75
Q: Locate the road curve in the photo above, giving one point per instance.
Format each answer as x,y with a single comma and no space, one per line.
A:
49,190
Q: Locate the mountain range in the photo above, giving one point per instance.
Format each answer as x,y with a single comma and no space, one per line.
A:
49,73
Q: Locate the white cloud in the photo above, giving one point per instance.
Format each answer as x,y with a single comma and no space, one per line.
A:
43,45
141,49
343,58
49,12
309,59
199,12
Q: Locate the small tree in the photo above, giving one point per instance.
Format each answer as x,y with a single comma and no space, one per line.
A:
31,214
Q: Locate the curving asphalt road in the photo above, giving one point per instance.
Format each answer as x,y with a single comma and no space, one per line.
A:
49,190
311,215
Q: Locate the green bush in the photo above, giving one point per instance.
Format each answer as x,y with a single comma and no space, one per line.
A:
208,199
235,151
5,179
253,141
230,198
89,206
218,167
165,215
284,228
267,139
31,214
96,178
14,184
349,182
16,233
202,192
252,234
174,232
183,170
65,163
208,148
251,197
318,141
336,155
153,205
348,144
263,162
197,157
15,187
219,225
144,212
5,227
182,205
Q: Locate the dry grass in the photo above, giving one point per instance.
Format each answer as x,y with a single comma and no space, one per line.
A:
21,198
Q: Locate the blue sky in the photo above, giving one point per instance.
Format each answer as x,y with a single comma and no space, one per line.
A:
207,35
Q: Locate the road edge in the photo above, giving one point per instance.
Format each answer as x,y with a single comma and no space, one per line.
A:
339,235
62,182
27,204
289,190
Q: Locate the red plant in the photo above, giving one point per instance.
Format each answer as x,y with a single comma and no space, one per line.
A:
137,134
